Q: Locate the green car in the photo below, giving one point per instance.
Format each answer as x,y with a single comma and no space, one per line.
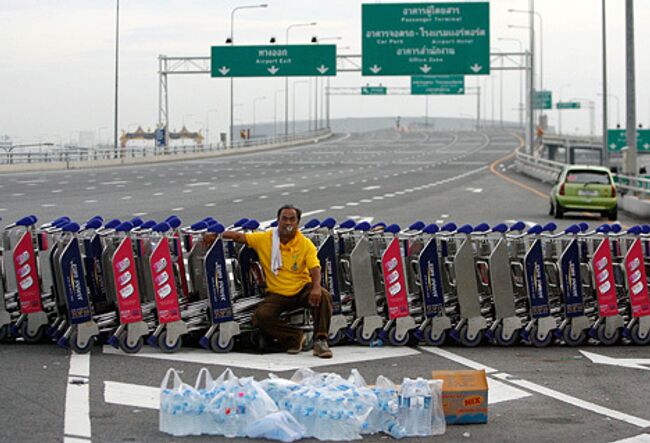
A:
584,188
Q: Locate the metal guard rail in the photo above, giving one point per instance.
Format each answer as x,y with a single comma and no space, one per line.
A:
77,154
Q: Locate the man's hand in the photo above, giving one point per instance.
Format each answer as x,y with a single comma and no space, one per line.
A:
314,296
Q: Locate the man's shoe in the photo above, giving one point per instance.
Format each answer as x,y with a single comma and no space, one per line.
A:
298,349
321,349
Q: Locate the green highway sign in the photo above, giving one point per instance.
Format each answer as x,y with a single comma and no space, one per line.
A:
567,105
273,61
425,38
617,140
373,90
542,100
438,84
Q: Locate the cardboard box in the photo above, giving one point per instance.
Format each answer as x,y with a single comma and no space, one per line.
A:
464,396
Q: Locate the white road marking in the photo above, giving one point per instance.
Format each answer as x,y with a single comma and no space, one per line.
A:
370,188
285,185
317,211
17,194
115,182
199,184
77,399
209,205
129,394
337,207
3,209
139,214
56,191
642,438
285,193
577,402
90,201
127,197
178,209
632,363
352,204
187,191
263,197
458,359
237,200
48,205
279,362
90,188
158,194
365,200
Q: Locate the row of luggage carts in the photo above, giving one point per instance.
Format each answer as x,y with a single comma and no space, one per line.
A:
129,282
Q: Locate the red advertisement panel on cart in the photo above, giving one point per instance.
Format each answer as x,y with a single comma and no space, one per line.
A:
604,275
394,281
636,280
164,286
126,283
29,291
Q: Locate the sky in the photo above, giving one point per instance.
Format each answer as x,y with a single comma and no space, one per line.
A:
57,61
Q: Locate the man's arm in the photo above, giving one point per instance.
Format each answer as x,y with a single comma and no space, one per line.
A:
238,237
315,293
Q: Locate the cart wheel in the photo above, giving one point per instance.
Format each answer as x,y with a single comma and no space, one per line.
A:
337,338
501,340
536,341
124,345
79,349
465,340
637,339
570,340
35,338
612,339
394,341
216,347
358,336
5,334
162,343
433,340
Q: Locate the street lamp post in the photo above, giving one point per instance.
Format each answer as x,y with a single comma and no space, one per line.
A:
521,80
293,105
618,113
559,111
117,60
592,114
286,79
232,42
254,103
531,79
275,111
207,125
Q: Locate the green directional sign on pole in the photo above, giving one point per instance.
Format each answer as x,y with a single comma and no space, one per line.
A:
617,140
542,100
438,85
567,105
425,38
373,90
273,61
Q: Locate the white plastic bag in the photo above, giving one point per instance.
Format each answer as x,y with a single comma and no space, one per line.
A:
280,426
438,423
180,407
420,401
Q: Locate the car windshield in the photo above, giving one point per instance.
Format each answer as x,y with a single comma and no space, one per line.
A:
585,177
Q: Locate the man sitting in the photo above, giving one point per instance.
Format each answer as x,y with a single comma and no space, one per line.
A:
292,271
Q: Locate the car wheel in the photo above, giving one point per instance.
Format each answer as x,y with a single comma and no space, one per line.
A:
612,215
551,209
559,211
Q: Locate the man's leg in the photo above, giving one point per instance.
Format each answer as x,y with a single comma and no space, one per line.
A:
322,313
267,318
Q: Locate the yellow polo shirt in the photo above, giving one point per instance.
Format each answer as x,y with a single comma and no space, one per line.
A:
298,258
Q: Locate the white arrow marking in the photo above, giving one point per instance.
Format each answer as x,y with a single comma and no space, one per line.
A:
273,70
223,70
375,69
613,145
425,68
460,89
279,362
476,67
322,69
646,146
632,363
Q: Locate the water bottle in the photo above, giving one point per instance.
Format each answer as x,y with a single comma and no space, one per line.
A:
393,428
405,412
422,412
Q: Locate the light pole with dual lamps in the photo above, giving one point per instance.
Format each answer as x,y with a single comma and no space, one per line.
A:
618,110
275,111
521,79
293,105
286,79
559,111
231,40
255,100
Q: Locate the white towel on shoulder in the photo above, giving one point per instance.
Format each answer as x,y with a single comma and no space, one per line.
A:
276,255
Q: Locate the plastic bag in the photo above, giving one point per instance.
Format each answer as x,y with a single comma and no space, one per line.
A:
237,403
419,401
180,407
278,388
276,426
384,417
